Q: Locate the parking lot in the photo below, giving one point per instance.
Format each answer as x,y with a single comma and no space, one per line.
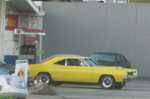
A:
138,89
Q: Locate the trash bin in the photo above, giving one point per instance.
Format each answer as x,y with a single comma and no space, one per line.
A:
10,59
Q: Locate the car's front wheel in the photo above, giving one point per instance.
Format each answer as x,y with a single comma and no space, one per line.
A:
120,85
43,78
107,82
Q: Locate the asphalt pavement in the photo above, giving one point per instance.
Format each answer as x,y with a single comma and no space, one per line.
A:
138,89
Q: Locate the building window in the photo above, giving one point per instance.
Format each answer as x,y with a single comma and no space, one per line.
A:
11,22
73,62
120,1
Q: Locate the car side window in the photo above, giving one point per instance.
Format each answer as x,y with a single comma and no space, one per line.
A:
74,62
118,59
62,62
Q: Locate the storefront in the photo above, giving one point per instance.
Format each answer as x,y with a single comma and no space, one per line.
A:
29,19
29,43
23,29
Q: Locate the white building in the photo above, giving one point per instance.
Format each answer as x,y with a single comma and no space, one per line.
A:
25,16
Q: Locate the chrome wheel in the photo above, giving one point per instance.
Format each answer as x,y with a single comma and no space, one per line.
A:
107,82
42,79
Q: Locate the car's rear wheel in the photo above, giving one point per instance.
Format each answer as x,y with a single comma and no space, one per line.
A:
43,78
107,82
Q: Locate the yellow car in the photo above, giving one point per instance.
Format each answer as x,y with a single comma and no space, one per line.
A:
77,69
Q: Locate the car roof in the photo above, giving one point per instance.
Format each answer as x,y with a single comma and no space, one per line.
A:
63,56
67,56
107,53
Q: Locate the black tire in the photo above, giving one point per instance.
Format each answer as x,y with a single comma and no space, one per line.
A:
107,82
120,85
43,78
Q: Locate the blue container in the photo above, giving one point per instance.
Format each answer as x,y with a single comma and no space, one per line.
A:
10,59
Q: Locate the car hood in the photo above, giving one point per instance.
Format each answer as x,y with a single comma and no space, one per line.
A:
130,70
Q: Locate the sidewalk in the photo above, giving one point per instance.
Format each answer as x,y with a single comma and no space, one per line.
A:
43,91
44,97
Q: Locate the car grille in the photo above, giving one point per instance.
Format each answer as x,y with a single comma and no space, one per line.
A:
131,73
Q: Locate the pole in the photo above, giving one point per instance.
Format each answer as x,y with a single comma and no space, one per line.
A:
2,27
40,48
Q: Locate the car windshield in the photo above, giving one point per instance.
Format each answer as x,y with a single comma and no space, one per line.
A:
47,59
88,61
110,60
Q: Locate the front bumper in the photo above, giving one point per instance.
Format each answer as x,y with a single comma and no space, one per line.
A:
132,75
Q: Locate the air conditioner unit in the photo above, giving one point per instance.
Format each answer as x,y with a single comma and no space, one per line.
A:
18,31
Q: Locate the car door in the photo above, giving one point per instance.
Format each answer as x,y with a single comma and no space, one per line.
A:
67,70
80,72
59,71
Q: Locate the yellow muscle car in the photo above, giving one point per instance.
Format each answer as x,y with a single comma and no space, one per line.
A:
77,69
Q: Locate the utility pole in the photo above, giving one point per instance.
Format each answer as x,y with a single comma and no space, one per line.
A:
2,27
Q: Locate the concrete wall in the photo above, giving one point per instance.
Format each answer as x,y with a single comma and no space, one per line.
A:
10,45
84,28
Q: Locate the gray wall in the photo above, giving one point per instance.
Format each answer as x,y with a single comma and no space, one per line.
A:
83,28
